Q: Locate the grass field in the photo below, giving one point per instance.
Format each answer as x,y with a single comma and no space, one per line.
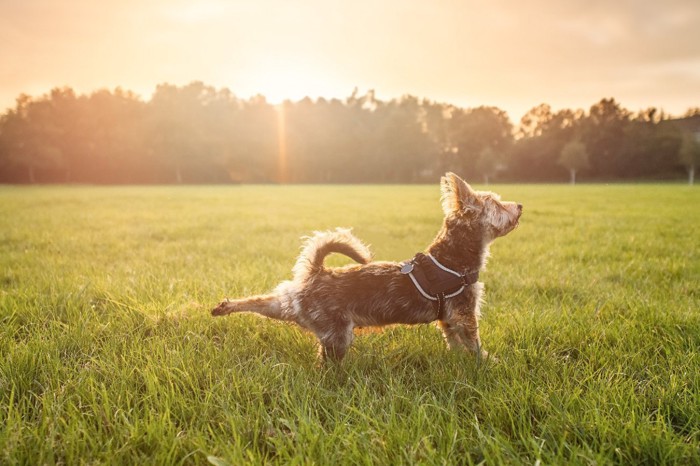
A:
108,353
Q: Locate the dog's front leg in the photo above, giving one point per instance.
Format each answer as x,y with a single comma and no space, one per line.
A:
464,333
451,334
469,332
335,342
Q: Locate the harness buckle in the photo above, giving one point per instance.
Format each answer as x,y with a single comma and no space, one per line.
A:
407,268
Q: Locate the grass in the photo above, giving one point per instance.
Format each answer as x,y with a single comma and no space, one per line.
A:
109,354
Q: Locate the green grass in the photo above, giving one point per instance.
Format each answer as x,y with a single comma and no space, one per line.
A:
108,354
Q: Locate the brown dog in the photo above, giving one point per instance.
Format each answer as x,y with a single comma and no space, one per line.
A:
330,302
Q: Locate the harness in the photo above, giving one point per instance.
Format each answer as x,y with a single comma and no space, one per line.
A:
436,282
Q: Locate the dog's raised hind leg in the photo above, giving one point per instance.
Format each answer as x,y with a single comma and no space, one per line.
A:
266,305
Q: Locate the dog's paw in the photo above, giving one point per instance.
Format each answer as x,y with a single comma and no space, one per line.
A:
486,357
221,309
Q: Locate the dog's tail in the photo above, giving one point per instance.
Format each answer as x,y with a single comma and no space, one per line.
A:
322,243
267,305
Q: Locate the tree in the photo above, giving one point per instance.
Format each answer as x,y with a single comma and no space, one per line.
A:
543,134
106,141
472,130
536,121
29,136
487,163
183,125
196,133
574,157
649,150
689,153
603,133
402,144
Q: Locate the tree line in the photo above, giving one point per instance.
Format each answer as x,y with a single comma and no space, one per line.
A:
199,134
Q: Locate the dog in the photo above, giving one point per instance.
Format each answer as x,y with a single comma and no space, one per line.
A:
331,302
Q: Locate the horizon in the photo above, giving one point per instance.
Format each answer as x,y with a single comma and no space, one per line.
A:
515,57
514,118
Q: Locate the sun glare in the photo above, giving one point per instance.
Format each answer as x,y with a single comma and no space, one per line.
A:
281,82
282,144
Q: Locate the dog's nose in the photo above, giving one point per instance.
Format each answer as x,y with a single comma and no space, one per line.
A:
520,207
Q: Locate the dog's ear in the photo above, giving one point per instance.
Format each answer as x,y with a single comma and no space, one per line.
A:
457,195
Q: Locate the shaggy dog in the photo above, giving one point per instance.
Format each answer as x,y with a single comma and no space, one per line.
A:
330,302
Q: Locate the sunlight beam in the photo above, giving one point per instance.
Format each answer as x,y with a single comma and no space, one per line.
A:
282,174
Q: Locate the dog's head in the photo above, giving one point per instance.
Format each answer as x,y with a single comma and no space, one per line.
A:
484,209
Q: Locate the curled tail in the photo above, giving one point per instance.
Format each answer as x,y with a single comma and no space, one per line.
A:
322,243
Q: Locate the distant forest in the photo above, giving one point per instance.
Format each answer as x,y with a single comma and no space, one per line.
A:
199,134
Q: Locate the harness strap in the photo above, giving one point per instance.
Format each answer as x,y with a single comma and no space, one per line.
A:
441,305
436,282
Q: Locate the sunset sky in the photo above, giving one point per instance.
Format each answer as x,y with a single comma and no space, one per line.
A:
510,54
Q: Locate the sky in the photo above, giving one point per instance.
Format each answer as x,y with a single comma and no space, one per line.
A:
505,53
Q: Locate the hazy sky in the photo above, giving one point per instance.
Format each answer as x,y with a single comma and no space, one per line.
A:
511,54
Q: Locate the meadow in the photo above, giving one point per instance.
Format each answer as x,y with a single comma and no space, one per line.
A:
108,354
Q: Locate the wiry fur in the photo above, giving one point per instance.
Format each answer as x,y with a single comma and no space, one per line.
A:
330,302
